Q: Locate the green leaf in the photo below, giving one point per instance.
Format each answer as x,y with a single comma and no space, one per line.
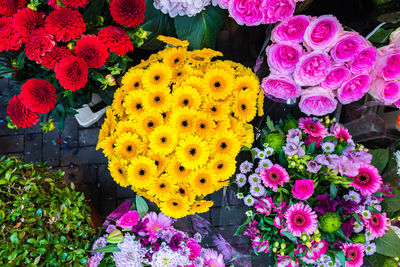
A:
241,228
201,30
388,244
14,238
380,158
392,204
342,258
380,36
282,159
333,191
330,138
156,23
376,259
141,206
290,236
311,148
108,248
115,236
270,124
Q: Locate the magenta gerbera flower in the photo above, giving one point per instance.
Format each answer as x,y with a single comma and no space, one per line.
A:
156,223
368,180
355,253
213,259
341,133
274,176
300,218
315,129
377,224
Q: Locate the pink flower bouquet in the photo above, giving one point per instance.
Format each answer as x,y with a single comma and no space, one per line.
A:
315,59
142,238
313,196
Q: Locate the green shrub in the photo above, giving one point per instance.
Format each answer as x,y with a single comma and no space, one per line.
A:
43,222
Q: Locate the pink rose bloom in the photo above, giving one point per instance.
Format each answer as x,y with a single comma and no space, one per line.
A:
129,219
347,47
195,248
246,12
364,62
303,189
391,70
385,91
312,68
317,101
322,33
291,30
354,89
277,10
283,57
280,87
336,77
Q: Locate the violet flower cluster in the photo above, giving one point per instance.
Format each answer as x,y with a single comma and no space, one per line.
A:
312,194
150,241
315,59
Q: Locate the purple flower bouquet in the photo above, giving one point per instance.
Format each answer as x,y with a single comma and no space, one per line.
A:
142,238
313,197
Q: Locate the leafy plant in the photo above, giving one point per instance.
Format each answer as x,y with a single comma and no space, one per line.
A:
43,222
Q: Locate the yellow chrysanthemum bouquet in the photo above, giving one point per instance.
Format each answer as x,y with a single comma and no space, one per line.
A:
177,124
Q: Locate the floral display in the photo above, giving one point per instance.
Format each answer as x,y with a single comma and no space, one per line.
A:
313,197
181,8
177,124
142,238
315,59
57,48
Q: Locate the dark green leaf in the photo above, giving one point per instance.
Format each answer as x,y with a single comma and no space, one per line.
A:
330,138
141,206
290,236
380,36
380,158
282,159
388,244
202,29
311,148
241,228
392,204
14,238
342,258
333,191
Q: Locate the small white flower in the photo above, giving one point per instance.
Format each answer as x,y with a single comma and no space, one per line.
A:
249,201
366,214
240,195
249,213
370,249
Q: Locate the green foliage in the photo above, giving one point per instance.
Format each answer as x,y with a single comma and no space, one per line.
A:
392,204
43,222
276,141
380,158
388,244
141,206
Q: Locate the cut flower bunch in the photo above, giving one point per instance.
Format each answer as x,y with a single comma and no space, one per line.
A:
73,47
177,124
313,197
136,237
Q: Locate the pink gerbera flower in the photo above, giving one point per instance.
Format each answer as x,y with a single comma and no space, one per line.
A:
355,253
274,176
377,224
213,259
368,180
300,218
315,129
341,133
157,223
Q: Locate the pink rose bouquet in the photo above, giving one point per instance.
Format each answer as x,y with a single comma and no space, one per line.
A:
313,196
142,238
316,52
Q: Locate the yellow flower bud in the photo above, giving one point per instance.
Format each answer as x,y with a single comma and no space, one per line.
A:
304,238
276,244
317,239
396,259
282,253
283,246
111,80
308,244
316,232
274,250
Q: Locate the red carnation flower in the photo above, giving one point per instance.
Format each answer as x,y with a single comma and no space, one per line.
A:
76,3
72,73
26,21
20,114
92,51
116,40
10,7
40,43
9,40
51,58
38,95
128,13
65,24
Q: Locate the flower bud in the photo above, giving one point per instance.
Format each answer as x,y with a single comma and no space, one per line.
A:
282,253
276,244
304,238
283,246
274,250
317,239
308,244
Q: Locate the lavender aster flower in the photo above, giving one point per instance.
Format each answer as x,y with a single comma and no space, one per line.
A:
354,196
241,179
328,147
249,201
254,179
358,227
268,151
240,195
166,257
366,214
131,252
368,236
246,166
325,204
99,243
249,213
313,166
266,164
261,155
110,228
370,249
257,190
293,147
197,237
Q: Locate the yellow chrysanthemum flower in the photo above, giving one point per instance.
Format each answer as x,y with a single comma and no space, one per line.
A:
249,84
118,170
175,206
195,82
193,152
177,74
142,172
200,206
174,57
204,125
117,104
184,190
221,125
225,142
133,79
157,100
260,104
219,64
103,133
182,119
159,161
218,83
186,96
202,181
108,145
244,107
205,54
147,122
173,41
176,170
125,127
217,110
128,146
158,75
163,140
163,187
247,135
223,166
134,103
